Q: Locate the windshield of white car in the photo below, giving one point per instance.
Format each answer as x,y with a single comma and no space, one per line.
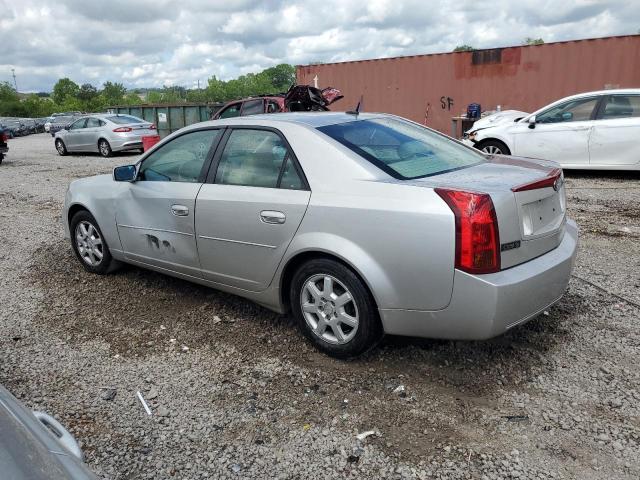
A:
403,149
124,119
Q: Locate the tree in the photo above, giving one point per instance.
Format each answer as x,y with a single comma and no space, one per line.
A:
533,41
464,48
87,92
113,93
63,89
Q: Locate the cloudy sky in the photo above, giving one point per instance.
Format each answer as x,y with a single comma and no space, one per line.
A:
167,42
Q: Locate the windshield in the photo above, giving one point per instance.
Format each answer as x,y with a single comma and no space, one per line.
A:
403,149
125,119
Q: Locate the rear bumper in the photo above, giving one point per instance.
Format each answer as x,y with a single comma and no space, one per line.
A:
484,306
126,143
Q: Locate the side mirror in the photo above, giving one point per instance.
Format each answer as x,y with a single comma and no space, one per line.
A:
126,173
532,121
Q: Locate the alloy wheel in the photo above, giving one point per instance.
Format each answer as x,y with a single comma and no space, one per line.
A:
89,243
329,309
60,147
492,150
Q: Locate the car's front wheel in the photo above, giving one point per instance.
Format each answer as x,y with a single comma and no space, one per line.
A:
60,147
104,148
89,244
334,308
494,147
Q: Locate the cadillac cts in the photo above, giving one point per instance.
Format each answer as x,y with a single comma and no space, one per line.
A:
358,225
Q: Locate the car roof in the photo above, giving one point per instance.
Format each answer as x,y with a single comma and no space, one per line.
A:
310,119
617,91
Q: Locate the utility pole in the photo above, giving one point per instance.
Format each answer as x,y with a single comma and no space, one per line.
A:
13,72
198,84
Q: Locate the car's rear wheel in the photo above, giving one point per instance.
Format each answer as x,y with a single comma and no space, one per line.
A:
60,147
334,308
104,148
89,244
494,147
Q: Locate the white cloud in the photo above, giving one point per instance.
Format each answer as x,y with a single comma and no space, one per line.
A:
156,42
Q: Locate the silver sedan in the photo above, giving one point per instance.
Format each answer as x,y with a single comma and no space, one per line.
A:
104,134
358,225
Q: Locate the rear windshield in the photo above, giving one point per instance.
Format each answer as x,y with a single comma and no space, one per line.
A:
124,119
403,149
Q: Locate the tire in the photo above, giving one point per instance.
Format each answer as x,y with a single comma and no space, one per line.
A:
332,281
1,158
493,147
104,148
89,244
61,148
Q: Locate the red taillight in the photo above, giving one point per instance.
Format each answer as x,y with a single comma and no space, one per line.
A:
123,129
4,137
477,238
152,127
548,181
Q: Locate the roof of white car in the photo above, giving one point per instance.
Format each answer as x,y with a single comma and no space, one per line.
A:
617,91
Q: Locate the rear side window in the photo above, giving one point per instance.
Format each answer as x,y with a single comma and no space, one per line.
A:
621,106
93,123
125,119
403,149
256,158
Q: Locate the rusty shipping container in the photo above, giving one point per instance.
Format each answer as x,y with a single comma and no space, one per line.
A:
434,88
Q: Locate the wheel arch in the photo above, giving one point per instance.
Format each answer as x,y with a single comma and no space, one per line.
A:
75,208
303,257
494,138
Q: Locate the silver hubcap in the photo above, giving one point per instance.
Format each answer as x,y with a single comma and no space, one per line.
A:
60,147
492,150
89,243
104,148
329,309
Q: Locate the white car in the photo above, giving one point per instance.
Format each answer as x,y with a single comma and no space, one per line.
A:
594,130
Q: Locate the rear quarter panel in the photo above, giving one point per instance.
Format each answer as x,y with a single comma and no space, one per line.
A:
398,237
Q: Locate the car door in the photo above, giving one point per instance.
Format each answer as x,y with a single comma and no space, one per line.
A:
90,135
560,133
155,215
250,208
616,131
73,138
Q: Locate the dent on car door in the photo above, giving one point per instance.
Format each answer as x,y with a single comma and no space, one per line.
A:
616,130
250,208
155,215
561,133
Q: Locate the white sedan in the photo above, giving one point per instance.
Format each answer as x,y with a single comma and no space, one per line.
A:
594,130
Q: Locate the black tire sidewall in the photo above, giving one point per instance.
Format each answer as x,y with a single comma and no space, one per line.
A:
369,328
104,265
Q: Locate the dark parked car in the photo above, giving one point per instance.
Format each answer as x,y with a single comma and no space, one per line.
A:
35,446
4,137
60,123
16,128
299,98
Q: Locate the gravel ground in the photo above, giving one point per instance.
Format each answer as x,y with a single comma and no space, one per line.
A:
237,393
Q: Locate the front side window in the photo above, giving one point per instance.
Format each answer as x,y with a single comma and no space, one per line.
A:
93,123
403,149
578,110
181,160
78,124
621,106
231,111
253,107
255,158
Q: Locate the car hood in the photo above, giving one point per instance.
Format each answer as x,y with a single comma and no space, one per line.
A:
306,98
498,118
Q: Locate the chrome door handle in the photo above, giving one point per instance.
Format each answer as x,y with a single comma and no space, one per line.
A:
179,210
272,216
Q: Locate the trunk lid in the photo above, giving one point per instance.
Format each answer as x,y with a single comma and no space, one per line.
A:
529,199
142,129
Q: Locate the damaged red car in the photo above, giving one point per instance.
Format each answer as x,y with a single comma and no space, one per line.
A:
299,98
